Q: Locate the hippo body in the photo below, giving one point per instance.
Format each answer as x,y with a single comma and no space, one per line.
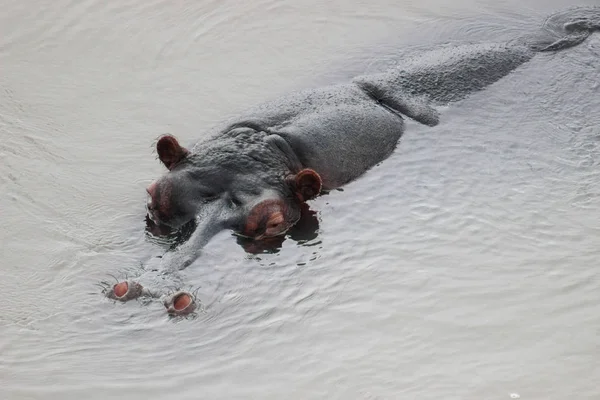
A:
254,174
338,131
342,131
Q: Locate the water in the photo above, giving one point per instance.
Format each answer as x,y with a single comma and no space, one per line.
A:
463,267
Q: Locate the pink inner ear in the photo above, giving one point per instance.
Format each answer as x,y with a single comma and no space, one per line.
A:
170,151
308,184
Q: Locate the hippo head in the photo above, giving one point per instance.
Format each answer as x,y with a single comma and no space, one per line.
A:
231,183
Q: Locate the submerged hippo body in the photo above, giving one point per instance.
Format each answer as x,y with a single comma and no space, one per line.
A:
253,174
259,170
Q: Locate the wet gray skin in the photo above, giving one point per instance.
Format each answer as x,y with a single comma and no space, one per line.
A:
253,174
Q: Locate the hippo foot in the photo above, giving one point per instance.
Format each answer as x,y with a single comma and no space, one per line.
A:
124,291
180,303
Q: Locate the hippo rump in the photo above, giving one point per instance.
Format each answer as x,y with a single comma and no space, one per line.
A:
254,174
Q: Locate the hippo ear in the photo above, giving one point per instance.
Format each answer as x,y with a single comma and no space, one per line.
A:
170,151
307,184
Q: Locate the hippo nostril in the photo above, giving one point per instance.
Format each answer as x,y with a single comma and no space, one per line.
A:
275,220
182,301
120,289
124,291
275,225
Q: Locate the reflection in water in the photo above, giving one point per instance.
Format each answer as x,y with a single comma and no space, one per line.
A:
166,236
306,229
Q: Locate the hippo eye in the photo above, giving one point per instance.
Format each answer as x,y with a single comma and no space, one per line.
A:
235,201
210,196
232,200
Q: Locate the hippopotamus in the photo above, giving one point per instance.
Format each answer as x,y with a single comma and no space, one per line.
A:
253,174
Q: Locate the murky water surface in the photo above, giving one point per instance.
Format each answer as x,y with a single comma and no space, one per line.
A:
463,267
